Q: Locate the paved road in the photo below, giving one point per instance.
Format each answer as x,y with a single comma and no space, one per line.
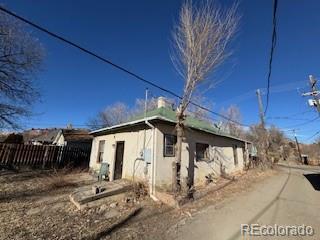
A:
285,199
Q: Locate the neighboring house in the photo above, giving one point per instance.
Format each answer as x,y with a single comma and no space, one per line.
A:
144,149
79,138
46,137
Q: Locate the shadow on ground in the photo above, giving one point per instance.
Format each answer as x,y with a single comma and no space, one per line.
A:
275,200
314,179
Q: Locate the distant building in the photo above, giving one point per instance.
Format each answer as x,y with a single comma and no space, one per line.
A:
74,138
46,137
63,137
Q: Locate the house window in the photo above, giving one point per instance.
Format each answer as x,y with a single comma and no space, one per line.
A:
100,151
235,155
202,151
169,145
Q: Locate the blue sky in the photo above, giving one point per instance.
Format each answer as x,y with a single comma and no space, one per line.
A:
136,35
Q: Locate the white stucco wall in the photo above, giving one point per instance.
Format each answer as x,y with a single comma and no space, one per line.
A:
133,145
220,147
221,153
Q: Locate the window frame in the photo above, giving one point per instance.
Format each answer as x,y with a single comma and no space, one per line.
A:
206,152
165,154
101,146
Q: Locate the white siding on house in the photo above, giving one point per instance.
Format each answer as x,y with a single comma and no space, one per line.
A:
221,155
133,145
221,152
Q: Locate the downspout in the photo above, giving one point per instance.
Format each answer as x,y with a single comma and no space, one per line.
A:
152,187
153,172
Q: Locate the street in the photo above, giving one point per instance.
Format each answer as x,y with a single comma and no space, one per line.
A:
287,198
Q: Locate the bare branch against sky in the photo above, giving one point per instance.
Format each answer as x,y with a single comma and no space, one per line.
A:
20,58
200,41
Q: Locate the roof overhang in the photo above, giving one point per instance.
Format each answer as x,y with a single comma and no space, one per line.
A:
128,124
161,118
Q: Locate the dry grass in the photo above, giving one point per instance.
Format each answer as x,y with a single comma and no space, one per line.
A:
62,178
140,190
35,205
58,180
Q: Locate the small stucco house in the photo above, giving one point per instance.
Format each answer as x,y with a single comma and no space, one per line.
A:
144,149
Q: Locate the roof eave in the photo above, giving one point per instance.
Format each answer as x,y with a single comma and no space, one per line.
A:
130,124
164,119
220,134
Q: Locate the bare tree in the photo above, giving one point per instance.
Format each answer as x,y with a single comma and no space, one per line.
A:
234,114
111,115
276,148
277,142
197,112
256,134
200,40
20,59
139,107
313,151
119,113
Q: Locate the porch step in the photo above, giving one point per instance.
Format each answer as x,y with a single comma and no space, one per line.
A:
84,197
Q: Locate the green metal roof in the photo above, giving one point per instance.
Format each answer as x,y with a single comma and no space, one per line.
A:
170,115
166,114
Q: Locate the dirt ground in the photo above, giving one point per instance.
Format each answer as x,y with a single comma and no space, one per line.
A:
35,204
289,198
159,222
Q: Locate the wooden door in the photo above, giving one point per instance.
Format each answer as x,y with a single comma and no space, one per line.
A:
118,160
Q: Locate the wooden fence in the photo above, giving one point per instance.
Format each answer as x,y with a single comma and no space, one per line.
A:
45,156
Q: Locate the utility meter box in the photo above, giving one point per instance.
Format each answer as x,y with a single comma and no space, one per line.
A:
147,155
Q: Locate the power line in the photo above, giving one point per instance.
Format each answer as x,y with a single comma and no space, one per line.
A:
288,118
304,123
273,45
136,76
300,113
86,51
273,89
63,124
318,132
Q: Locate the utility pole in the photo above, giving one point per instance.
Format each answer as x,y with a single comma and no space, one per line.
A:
313,84
261,112
265,139
315,102
298,147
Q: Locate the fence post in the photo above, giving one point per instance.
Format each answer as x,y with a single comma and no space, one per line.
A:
12,151
45,157
42,156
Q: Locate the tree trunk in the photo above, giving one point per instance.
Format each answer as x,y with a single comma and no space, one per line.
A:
176,165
